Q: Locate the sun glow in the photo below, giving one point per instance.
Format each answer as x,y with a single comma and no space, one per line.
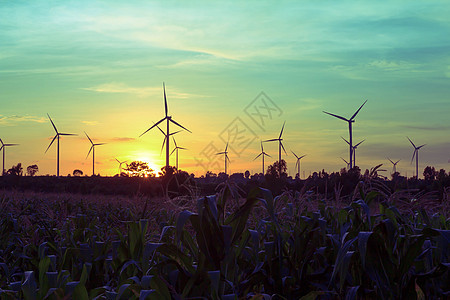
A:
150,162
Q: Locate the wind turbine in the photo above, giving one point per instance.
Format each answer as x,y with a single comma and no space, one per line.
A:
93,152
262,153
176,149
226,157
416,153
354,149
280,145
297,164
350,121
168,119
348,165
58,134
394,165
3,148
166,137
120,165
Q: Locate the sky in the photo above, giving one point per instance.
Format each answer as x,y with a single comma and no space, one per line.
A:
234,72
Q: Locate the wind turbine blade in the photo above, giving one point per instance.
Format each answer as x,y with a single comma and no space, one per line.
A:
272,140
90,149
52,123
88,138
99,144
117,160
67,134
226,155
173,151
354,115
282,128
165,100
175,142
344,160
1,141
160,129
296,163
262,149
226,148
266,154
391,161
294,154
156,124
51,143
414,153
162,147
6,145
220,153
339,117
345,140
258,155
283,147
421,146
302,156
182,148
397,161
358,144
411,142
175,132
180,125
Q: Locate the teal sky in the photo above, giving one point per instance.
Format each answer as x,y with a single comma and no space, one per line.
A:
98,66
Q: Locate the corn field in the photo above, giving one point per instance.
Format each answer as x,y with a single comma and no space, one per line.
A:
223,246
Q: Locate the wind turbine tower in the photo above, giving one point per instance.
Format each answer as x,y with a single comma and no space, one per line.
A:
416,153
168,119
354,149
226,157
262,154
394,165
349,121
176,150
120,165
93,152
58,134
348,164
3,148
280,145
297,163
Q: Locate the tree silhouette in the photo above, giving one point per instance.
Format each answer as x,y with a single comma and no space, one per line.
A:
168,171
77,172
277,170
430,173
16,170
139,169
32,170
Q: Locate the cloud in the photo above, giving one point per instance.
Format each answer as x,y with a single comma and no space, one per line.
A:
200,60
90,123
122,88
117,87
428,127
122,139
12,120
392,65
368,69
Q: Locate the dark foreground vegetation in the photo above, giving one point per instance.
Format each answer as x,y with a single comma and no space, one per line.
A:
316,242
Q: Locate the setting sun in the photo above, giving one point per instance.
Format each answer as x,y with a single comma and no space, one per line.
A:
148,158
